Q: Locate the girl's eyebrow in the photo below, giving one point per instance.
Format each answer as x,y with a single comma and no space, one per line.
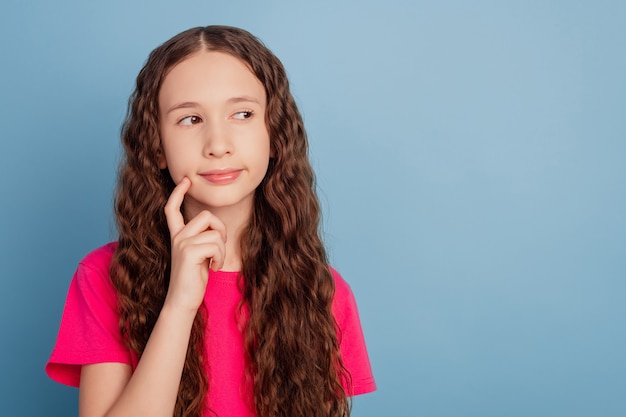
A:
233,100
244,99
185,105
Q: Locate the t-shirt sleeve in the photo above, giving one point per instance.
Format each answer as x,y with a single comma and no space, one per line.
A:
351,340
89,331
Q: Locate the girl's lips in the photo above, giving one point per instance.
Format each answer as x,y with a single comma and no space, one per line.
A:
225,176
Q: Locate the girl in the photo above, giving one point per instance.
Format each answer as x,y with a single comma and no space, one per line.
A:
217,298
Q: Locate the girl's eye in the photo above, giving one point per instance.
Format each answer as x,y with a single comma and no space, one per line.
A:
190,120
242,115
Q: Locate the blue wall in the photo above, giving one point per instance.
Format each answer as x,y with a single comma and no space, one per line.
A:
471,159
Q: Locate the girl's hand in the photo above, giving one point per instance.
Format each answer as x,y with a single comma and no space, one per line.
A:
196,247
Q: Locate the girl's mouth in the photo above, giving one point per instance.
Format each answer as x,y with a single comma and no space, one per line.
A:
221,176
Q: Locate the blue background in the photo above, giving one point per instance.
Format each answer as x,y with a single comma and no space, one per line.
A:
470,160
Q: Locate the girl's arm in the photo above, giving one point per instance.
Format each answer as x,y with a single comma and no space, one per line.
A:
111,389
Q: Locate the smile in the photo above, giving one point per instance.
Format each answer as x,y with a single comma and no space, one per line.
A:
221,177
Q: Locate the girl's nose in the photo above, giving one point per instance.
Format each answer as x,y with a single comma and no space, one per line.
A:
216,141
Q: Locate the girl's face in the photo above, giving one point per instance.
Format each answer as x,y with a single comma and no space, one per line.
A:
212,122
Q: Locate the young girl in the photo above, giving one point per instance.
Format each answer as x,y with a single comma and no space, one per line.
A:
217,298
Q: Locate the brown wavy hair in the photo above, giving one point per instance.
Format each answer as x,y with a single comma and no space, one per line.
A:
291,337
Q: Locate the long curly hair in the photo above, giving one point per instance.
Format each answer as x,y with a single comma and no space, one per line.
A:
291,337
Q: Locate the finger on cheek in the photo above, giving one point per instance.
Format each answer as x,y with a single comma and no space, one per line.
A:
183,183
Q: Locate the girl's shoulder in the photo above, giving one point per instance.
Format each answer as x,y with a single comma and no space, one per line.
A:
341,286
99,258
93,269
344,304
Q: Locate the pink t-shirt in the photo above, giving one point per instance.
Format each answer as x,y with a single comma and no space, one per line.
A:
89,333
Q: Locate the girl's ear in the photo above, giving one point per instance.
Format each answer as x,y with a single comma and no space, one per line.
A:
161,159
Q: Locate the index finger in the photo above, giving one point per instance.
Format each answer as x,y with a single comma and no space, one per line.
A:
175,221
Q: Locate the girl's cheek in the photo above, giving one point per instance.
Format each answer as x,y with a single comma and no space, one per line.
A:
176,176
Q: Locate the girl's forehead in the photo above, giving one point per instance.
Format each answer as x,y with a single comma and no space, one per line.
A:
211,77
